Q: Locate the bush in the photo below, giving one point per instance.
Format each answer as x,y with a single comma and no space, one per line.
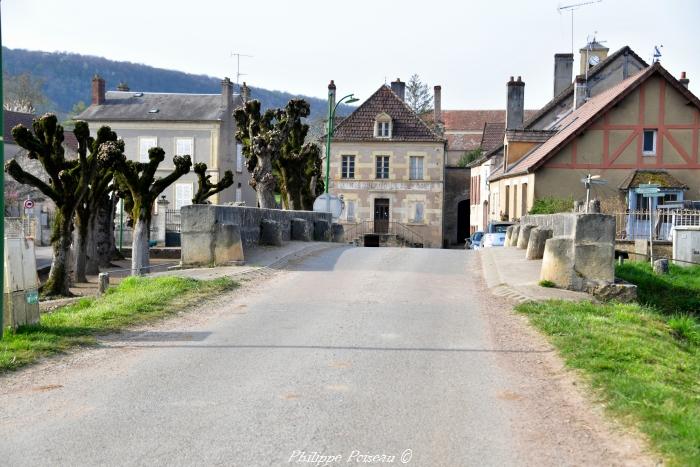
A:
552,205
546,283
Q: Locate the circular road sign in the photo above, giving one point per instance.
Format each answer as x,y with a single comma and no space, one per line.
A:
28,204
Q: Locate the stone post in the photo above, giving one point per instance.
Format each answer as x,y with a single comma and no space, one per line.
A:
524,236
514,236
103,283
160,220
661,266
594,206
536,242
509,235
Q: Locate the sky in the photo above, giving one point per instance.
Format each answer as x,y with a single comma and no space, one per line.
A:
470,48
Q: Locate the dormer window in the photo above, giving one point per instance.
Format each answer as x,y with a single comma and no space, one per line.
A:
382,126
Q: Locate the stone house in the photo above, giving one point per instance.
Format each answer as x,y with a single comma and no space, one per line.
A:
645,128
388,165
523,129
200,125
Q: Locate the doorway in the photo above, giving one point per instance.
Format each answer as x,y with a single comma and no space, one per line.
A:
381,215
462,221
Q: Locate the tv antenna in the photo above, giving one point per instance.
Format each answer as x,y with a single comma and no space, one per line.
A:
571,8
592,60
656,57
238,67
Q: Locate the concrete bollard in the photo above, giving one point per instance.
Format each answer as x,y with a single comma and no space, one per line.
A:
594,206
536,242
509,235
322,231
337,233
102,283
514,236
302,230
270,233
524,235
661,266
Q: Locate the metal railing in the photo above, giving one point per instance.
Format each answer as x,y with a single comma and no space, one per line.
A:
404,235
172,220
633,225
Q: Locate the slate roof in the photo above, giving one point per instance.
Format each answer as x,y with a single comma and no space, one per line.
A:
568,93
658,177
12,119
406,124
576,122
137,106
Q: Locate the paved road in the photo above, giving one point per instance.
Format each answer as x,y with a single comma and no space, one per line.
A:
376,351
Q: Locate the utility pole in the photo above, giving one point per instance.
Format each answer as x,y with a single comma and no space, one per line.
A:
2,187
238,67
571,8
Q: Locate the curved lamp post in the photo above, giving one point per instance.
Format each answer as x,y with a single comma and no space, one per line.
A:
332,107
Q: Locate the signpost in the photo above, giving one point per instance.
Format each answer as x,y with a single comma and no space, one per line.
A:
589,180
650,191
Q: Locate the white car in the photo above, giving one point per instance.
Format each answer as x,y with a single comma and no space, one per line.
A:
496,234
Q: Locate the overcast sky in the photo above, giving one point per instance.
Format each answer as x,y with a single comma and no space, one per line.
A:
469,47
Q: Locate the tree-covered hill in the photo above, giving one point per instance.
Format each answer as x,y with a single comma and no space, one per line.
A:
66,79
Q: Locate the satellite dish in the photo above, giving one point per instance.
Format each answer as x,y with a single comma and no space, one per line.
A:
330,203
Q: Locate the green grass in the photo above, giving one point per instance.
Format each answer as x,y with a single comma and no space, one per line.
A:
135,300
644,364
547,283
677,292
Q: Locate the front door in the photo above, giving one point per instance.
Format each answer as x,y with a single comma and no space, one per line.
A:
381,215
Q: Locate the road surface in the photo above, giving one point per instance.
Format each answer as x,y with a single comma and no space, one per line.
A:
354,353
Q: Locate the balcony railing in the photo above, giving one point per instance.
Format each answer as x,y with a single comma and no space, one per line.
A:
404,235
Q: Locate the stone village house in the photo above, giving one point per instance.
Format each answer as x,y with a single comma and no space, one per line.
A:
388,165
200,125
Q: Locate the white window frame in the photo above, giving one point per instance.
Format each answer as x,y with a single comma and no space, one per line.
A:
350,208
345,168
177,151
383,126
385,167
655,135
411,175
179,202
239,157
143,151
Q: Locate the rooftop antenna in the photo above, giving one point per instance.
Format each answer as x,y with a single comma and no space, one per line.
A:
589,47
657,53
571,8
238,67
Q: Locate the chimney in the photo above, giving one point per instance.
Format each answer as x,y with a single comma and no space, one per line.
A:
437,104
563,70
245,92
331,94
98,90
684,81
399,88
122,86
580,91
515,104
227,93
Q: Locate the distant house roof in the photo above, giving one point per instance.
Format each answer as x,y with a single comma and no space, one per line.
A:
568,92
12,119
147,106
70,141
657,177
406,124
580,119
474,120
492,137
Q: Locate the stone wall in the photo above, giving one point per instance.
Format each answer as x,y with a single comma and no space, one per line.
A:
562,224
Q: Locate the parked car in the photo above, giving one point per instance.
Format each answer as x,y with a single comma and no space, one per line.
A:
474,242
495,234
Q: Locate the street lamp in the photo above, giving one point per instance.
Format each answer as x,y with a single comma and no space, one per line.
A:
2,191
332,107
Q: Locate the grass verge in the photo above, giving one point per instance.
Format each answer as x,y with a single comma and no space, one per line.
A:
134,301
676,292
644,364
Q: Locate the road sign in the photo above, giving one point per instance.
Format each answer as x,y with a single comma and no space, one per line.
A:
648,185
653,195
28,204
594,181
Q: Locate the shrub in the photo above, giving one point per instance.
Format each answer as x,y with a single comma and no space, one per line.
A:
552,205
546,283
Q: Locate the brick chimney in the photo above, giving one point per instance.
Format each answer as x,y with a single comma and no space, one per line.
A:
399,88
437,104
98,90
227,93
245,92
684,81
122,86
515,104
580,91
563,71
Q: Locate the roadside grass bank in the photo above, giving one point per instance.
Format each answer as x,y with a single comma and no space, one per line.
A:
644,364
676,292
136,300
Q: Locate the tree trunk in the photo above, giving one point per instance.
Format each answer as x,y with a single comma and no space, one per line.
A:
139,248
266,198
103,233
58,282
81,244
92,260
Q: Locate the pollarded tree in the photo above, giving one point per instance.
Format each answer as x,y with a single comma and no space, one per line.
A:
144,188
68,182
206,188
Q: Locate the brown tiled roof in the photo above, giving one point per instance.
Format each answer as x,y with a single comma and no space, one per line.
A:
406,124
492,136
13,119
568,93
474,120
581,118
657,177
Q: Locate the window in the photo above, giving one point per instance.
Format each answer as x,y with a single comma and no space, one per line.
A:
383,129
239,193
382,126
184,147
649,148
416,168
350,210
419,212
183,195
146,143
348,167
239,157
382,167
